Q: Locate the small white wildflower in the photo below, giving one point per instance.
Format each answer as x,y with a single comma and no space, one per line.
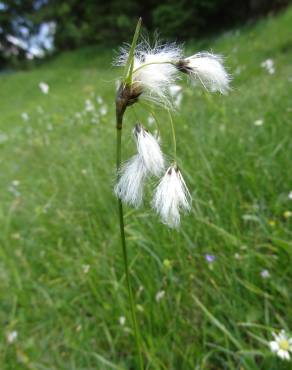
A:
154,70
268,64
159,295
44,87
89,106
265,274
259,122
122,320
99,99
150,120
237,256
85,268
171,196
149,150
131,181
208,69
12,336
15,183
282,345
250,218
290,195
103,110
25,116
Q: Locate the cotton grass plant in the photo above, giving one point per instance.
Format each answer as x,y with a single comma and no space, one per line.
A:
150,73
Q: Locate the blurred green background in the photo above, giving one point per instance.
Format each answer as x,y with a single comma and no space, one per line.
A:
208,296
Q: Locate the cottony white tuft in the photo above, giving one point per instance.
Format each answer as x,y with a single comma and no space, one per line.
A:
208,69
176,93
12,336
131,181
154,70
44,87
175,90
282,345
171,196
159,295
149,150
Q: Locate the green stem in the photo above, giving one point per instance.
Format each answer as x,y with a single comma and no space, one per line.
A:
153,115
150,63
173,134
120,114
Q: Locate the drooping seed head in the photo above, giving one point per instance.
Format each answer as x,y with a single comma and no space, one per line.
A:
149,150
207,69
131,181
171,197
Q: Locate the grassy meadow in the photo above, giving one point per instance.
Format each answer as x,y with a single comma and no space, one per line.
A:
208,296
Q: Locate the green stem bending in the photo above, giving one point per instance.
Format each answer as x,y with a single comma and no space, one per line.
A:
150,63
119,125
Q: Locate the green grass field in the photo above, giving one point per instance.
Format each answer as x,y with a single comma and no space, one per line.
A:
62,281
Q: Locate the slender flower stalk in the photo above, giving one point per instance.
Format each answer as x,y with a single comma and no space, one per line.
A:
123,100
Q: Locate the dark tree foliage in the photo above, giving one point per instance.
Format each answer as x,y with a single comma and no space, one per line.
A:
19,21
95,21
110,21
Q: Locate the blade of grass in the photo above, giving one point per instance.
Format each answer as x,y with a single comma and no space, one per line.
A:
217,323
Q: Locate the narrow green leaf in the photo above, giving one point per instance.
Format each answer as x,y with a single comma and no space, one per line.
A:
225,234
217,323
130,62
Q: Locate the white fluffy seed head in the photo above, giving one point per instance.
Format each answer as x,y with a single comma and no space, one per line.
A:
149,150
208,69
171,196
176,93
154,69
131,181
